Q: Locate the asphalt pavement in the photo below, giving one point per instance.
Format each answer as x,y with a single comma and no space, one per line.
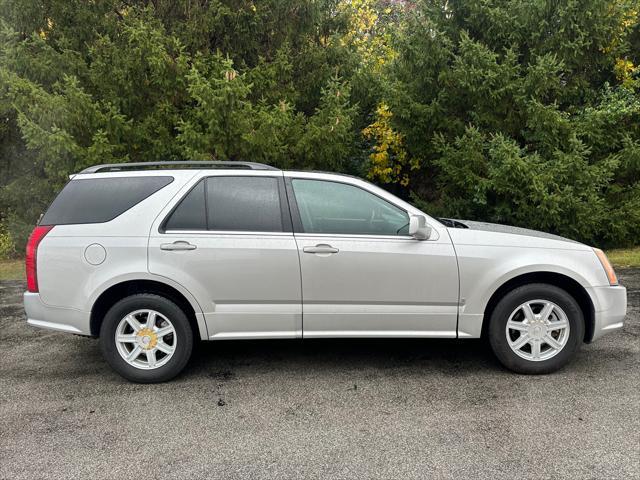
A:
318,409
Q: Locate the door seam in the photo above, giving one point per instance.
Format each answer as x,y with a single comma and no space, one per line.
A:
293,233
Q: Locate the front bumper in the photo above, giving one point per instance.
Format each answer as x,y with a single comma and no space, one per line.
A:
610,304
55,318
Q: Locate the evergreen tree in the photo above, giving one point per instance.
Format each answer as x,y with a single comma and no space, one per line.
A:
517,111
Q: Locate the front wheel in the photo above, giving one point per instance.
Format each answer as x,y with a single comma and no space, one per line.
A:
146,338
536,329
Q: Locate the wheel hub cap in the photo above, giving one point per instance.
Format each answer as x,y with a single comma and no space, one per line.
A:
537,331
147,338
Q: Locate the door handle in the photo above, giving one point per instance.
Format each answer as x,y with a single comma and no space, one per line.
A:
178,245
321,248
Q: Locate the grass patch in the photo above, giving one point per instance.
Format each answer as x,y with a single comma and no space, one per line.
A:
12,270
625,257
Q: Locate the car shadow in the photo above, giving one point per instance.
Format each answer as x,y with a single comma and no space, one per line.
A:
322,355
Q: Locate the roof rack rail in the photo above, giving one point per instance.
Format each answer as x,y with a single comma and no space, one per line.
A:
177,165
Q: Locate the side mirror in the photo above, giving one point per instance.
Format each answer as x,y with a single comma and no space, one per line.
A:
418,227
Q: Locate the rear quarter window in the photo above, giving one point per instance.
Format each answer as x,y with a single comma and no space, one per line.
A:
190,214
100,200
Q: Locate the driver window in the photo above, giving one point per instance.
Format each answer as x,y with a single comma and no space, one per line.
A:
333,207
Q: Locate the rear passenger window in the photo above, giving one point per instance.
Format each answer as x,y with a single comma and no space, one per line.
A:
244,204
98,200
248,204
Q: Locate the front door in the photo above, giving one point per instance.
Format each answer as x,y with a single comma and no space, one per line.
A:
362,274
229,242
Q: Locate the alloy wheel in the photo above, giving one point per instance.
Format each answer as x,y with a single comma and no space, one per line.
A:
146,339
537,330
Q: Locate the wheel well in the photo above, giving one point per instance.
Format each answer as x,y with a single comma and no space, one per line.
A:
121,290
568,284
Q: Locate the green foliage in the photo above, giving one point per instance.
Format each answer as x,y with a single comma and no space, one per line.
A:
107,82
519,114
328,135
224,124
7,245
516,111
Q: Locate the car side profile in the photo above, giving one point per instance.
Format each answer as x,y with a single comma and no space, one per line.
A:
152,257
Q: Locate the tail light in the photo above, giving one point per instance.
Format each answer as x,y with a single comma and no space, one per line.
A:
31,259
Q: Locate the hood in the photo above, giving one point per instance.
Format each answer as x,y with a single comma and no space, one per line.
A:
495,227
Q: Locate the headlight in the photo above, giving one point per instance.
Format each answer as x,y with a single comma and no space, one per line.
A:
611,275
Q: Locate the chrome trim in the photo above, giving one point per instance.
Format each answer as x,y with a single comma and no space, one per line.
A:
363,236
226,232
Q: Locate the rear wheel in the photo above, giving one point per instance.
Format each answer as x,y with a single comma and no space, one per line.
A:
536,329
146,338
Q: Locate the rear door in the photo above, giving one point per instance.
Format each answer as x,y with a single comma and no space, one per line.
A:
362,274
229,241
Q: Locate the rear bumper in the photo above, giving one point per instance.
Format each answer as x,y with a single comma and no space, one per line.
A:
610,305
55,318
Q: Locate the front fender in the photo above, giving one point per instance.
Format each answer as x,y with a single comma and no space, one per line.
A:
483,270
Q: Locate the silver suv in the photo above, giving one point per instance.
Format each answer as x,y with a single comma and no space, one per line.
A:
152,257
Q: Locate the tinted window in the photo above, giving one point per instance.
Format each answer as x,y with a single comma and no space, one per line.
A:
101,199
190,212
332,207
244,204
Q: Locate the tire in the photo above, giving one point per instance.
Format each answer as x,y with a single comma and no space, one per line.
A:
546,357
159,352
